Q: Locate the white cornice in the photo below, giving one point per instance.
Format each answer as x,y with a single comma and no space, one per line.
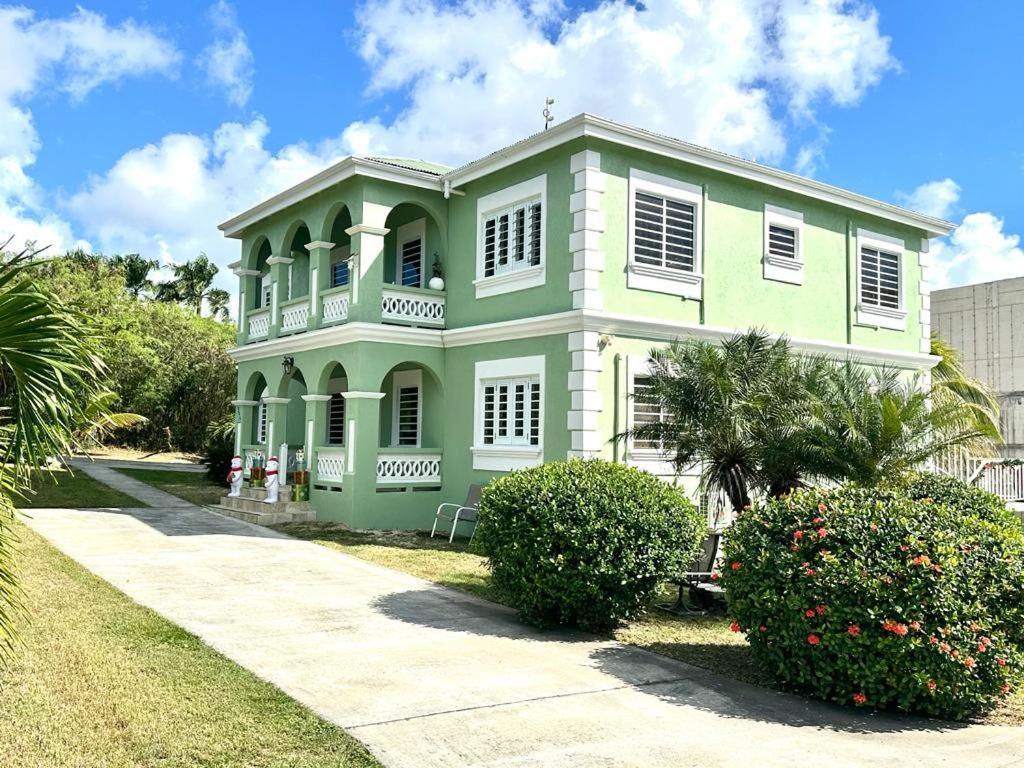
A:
614,324
600,128
366,229
353,394
335,174
315,398
319,244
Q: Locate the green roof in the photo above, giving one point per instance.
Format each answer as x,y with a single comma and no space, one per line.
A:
413,165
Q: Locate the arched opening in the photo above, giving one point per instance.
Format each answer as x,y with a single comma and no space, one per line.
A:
293,387
342,250
412,410
258,291
257,390
297,272
412,247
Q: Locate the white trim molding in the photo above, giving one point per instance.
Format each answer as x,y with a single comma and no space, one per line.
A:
504,458
584,395
280,260
872,315
277,400
356,394
585,207
528,276
243,403
924,260
318,244
316,398
783,268
687,284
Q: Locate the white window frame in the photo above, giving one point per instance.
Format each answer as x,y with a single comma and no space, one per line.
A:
406,233
648,277
780,268
494,203
262,418
504,458
649,459
336,387
870,314
400,379
266,291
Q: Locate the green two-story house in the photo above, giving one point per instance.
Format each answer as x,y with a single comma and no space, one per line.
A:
563,260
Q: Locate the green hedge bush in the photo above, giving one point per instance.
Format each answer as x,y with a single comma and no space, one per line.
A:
585,543
964,497
874,598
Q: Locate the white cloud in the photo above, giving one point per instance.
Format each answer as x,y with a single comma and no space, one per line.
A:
74,54
709,72
228,61
977,251
935,198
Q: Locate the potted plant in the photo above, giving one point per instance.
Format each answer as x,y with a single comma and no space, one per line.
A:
437,281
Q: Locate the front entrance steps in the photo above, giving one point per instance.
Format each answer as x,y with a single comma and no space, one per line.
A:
251,507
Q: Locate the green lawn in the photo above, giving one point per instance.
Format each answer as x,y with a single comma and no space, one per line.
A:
102,681
63,489
195,487
704,641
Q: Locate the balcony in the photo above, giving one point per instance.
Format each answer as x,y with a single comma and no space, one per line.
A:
295,315
399,466
334,305
259,324
413,306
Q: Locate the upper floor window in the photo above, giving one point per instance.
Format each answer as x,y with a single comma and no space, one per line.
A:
880,281
664,235
510,238
783,245
340,267
266,288
409,258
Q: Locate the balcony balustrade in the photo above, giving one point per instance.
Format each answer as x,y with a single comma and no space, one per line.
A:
295,315
397,466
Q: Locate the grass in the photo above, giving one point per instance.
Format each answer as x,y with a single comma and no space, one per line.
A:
194,487
62,489
703,641
102,681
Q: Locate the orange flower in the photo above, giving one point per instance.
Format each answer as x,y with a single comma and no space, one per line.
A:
798,535
822,533
853,630
931,685
859,698
969,662
895,627
873,527
735,627
809,613
813,639
809,572
1005,689
1001,662
736,566
715,576
822,508
915,625
820,610
763,628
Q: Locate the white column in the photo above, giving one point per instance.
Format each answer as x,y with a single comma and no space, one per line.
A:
587,229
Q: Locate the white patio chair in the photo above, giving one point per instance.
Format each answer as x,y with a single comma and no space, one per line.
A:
456,512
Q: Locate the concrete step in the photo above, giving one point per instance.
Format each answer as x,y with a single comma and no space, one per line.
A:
261,493
266,516
243,504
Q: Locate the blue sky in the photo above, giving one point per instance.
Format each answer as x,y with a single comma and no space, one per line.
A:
133,127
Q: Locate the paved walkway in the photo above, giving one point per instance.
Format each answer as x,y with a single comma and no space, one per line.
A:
427,676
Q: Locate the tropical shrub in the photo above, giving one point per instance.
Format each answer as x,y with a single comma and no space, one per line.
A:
585,543
870,597
219,450
968,499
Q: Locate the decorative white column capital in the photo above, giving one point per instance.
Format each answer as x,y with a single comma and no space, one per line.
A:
356,395
238,403
319,244
316,398
277,400
366,229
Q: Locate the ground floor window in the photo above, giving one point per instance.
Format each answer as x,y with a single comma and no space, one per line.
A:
511,412
646,410
336,420
261,420
407,408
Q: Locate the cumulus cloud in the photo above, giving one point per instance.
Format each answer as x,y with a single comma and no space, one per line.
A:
977,251
709,72
228,61
74,54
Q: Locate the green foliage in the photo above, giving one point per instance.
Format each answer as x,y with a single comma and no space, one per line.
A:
135,271
968,499
874,598
952,385
219,449
585,543
163,361
193,284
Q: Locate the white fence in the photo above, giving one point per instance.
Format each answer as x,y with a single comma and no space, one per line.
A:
259,324
295,317
413,308
330,464
408,468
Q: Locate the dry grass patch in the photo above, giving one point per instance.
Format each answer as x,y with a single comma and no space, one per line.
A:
194,487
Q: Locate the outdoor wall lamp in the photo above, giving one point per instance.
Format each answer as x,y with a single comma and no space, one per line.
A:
287,362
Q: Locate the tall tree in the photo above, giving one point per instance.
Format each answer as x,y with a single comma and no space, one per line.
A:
49,376
136,272
951,384
193,284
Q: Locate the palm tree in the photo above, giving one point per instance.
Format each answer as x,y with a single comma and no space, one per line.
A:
48,375
136,272
734,408
952,385
218,300
869,426
193,284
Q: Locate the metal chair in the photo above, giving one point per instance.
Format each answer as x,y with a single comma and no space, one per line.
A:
692,582
456,512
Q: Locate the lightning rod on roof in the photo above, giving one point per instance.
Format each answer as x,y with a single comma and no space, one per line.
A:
548,117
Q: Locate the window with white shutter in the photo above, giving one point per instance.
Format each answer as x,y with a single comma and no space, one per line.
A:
879,278
409,257
265,290
783,245
336,420
782,241
510,238
511,411
646,410
261,420
340,267
406,408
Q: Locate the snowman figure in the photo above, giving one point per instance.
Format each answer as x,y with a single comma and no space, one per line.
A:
235,476
272,482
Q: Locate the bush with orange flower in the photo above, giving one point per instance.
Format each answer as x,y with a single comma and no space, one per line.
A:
874,598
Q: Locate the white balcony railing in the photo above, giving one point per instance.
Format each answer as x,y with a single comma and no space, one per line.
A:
399,468
259,324
330,463
295,315
1001,477
413,307
335,306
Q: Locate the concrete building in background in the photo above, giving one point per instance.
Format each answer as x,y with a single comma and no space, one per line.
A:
985,322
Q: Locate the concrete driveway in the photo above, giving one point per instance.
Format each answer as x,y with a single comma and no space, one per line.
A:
427,676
